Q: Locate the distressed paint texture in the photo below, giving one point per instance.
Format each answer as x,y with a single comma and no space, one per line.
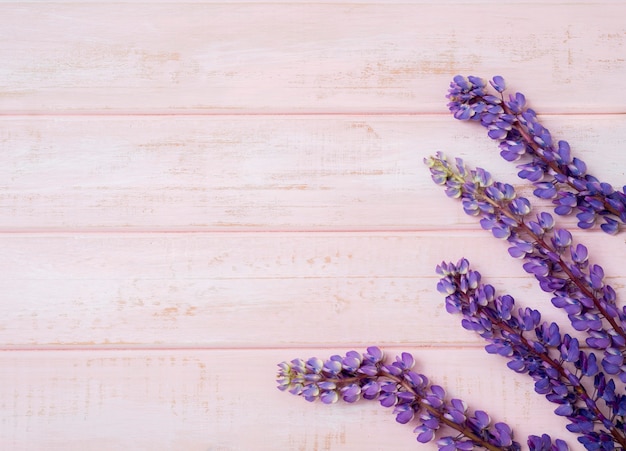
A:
191,192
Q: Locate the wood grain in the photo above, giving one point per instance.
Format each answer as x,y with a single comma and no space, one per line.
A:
251,290
305,57
257,172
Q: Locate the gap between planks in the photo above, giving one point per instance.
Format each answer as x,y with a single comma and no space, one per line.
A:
339,347
466,231
241,231
252,113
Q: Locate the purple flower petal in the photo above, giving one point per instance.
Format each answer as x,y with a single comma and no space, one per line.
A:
498,83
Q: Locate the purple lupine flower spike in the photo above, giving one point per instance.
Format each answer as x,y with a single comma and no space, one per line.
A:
561,266
554,361
396,385
551,168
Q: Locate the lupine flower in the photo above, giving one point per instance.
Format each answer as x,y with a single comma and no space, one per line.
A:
396,385
561,266
554,361
549,165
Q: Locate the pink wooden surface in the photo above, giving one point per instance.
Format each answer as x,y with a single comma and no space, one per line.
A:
192,192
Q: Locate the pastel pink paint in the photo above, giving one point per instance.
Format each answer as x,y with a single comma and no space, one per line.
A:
191,193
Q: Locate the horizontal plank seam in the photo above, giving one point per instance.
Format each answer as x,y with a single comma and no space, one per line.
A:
148,347
140,114
290,277
439,231
295,347
114,231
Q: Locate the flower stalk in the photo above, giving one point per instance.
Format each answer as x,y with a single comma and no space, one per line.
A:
555,362
552,170
396,385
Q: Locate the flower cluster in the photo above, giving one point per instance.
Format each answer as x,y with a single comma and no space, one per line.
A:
561,266
581,384
553,171
396,385
555,361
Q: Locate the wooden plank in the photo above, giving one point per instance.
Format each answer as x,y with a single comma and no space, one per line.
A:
227,400
312,57
251,290
256,172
